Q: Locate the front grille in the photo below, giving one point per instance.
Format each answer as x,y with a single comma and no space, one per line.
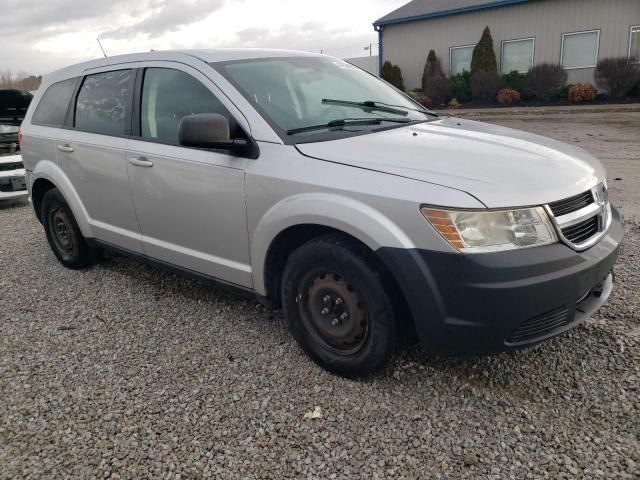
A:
5,167
582,231
542,325
571,204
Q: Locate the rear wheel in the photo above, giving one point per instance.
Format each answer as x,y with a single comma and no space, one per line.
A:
338,306
64,236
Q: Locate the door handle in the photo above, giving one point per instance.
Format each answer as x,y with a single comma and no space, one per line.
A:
140,162
66,148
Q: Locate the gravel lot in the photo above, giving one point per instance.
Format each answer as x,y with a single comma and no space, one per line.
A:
126,371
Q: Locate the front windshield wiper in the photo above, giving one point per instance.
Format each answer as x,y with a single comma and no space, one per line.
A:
347,122
377,106
367,105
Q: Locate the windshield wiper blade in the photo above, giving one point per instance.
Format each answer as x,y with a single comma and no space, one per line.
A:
347,122
367,105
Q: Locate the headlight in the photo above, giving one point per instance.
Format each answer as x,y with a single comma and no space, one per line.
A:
477,231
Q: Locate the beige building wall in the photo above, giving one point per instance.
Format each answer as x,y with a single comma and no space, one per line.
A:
407,44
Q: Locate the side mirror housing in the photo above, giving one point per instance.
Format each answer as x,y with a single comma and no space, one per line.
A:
211,130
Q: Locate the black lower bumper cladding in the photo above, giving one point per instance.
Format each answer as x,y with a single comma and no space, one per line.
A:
484,303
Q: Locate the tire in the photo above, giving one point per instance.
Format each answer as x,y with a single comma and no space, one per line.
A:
64,236
339,306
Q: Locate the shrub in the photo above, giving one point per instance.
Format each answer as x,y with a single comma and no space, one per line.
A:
484,56
507,96
582,92
485,85
454,103
438,89
461,86
392,74
425,101
617,76
545,81
434,84
514,80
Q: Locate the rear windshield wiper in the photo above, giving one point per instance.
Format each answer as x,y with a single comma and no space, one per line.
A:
347,122
368,105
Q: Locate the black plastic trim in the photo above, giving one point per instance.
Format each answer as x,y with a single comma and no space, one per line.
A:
471,304
170,267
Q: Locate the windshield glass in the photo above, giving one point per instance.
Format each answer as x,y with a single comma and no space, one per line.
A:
307,96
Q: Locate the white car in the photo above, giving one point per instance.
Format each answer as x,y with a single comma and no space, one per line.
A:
13,106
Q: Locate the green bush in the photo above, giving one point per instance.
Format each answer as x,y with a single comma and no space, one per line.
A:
617,76
545,81
392,74
461,86
434,84
485,85
484,56
513,80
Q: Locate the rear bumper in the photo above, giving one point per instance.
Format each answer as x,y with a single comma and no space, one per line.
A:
485,303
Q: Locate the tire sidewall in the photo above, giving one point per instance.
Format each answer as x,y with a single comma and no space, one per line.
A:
380,344
77,257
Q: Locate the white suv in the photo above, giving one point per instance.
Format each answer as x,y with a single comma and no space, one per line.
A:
320,188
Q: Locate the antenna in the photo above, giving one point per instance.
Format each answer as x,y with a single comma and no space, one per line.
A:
103,52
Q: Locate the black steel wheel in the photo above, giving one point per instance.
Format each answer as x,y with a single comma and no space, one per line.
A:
64,236
338,306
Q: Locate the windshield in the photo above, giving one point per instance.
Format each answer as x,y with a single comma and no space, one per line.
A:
311,96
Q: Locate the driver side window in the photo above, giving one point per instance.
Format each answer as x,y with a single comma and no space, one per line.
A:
169,95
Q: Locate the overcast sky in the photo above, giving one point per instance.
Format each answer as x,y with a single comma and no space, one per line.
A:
38,36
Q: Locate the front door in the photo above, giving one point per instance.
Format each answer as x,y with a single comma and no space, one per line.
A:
189,202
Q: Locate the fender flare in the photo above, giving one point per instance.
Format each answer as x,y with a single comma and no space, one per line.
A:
48,170
351,216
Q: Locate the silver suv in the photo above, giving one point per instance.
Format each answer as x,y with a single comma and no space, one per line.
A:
321,189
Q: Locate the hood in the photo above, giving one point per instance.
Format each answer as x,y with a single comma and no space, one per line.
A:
13,106
499,166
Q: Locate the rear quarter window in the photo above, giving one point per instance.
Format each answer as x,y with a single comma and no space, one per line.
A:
52,108
102,102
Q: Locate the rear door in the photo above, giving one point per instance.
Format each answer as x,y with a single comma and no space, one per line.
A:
189,202
92,154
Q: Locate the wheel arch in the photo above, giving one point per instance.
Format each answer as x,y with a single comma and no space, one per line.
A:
295,221
48,175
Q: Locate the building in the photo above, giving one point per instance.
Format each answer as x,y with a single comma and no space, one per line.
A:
371,64
573,33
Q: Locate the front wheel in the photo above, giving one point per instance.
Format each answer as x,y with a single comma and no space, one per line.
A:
338,306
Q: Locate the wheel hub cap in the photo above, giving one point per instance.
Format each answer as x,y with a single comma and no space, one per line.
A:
334,312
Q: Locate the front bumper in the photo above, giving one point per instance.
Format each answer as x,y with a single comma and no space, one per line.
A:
484,303
13,185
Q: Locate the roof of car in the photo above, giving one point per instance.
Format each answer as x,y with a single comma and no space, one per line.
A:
208,55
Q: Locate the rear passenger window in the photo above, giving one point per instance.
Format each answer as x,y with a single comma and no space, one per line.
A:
102,102
168,96
52,108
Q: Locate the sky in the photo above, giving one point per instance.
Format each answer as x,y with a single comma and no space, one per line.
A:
39,36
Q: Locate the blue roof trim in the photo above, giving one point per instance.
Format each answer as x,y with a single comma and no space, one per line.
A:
447,13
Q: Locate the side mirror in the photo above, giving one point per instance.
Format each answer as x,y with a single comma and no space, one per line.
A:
209,130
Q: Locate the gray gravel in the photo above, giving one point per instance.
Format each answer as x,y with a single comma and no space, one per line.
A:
125,371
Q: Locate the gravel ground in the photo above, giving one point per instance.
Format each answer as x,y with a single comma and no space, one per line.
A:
125,371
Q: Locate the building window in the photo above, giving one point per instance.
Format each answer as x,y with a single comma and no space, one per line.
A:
460,59
580,49
517,55
634,44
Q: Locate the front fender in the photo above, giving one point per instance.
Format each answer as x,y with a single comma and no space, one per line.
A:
353,217
48,170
